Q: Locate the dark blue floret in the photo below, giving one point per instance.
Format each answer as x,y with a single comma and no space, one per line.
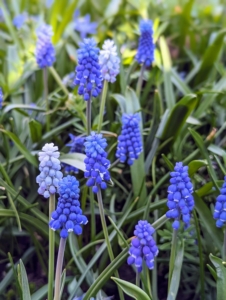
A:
180,200
96,162
76,146
88,74
129,141
145,52
45,52
220,207
1,98
143,246
68,216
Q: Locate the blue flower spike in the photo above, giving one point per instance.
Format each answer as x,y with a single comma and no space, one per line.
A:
145,52
109,61
180,200
76,146
96,162
1,98
143,246
68,216
129,141
220,206
45,52
49,167
88,74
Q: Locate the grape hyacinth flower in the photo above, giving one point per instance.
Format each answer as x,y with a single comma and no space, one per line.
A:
129,141
45,52
20,19
180,200
143,246
220,206
88,75
76,146
109,61
49,167
145,52
96,162
83,25
1,98
68,216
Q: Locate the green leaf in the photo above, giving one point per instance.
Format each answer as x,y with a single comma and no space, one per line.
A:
221,276
194,165
112,8
208,221
210,56
131,289
121,101
178,116
22,106
175,280
62,282
35,130
168,162
21,147
212,271
74,159
24,282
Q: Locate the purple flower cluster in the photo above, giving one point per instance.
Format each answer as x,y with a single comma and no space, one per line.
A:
129,141
145,52
143,246
68,216
88,75
220,206
49,167
96,162
45,52
180,200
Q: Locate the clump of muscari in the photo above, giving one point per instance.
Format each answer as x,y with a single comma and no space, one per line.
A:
20,19
129,141
88,75
83,25
143,246
96,162
76,146
145,52
109,61
45,52
220,206
68,216
49,167
1,98
180,200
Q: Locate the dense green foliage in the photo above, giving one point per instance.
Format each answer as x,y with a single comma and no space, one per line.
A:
182,107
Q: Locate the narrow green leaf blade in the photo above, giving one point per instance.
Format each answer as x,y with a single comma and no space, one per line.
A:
74,159
131,289
24,282
221,276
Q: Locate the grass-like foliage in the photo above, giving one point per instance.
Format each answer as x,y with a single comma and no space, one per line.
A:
112,149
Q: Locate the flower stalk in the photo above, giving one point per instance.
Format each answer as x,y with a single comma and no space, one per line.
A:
102,105
51,249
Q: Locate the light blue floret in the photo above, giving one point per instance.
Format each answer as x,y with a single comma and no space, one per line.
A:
220,207
45,52
180,200
88,75
83,25
1,98
50,170
145,52
96,162
20,19
68,216
143,246
129,141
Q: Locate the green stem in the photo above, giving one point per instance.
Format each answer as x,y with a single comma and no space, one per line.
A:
224,248
93,220
172,256
104,225
140,81
202,273
51,250
137,279
58,80
102,105
88,116
45,83
60,259
155,270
